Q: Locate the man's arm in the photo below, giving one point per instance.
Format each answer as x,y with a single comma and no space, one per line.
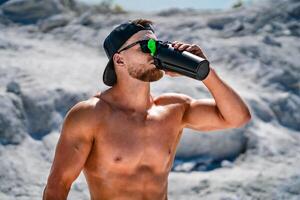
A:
226,110
72,150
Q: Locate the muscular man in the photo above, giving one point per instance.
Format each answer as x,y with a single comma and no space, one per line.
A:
124,139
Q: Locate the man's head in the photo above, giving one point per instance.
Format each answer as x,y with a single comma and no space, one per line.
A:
129,61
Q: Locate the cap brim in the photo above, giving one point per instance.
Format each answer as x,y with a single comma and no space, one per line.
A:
109,74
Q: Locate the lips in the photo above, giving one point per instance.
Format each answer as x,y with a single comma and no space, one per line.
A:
151,61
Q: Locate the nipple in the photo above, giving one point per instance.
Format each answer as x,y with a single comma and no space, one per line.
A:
118,158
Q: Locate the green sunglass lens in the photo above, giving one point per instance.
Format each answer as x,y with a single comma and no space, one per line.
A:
152,46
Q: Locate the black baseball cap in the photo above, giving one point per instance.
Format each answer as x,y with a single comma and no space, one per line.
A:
112,44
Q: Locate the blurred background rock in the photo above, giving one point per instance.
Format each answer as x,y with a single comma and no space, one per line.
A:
51,57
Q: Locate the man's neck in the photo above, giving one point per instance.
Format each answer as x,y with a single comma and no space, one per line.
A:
132,98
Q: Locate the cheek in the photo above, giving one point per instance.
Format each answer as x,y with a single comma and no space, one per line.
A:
137,59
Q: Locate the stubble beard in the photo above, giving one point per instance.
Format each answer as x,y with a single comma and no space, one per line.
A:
146,74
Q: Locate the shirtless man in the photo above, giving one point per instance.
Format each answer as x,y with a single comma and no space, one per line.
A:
124,139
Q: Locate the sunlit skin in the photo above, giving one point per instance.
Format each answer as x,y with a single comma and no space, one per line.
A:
124,139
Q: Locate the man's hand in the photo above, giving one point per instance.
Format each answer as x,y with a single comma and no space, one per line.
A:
192,48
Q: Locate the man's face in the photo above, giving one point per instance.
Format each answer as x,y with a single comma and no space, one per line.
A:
140,65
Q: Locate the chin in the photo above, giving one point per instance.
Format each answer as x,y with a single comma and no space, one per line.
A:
152,77
157,76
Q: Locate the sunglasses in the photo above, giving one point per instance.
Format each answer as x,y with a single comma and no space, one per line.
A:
147,46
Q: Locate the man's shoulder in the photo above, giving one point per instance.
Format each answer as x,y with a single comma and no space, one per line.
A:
86,111
172,98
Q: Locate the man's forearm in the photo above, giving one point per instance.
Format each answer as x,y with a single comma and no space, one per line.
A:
57,193
229,103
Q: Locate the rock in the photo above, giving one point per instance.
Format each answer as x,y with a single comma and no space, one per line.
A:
12,119
13,87
292,185
184,167
169,12
233,28
46,109
17,167
261,110
294,28
176,11
293,10
78,33
226,164
50,142
218,145
286,110
64,99
92,20
40,111
69,4
3,1
5,197
4,44
271,41
203,184
30,11
25,169
202,163
38,86
3,21
84,19
285,80
219,23
54,22
277,29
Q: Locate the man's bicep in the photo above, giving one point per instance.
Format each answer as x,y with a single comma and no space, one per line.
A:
72,150
203,115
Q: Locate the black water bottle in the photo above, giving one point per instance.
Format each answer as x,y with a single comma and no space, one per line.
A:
182,62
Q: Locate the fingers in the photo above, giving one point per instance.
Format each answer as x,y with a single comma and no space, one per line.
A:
193,48
184,46
180,46
175,42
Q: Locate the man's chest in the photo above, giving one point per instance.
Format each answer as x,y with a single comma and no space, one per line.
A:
158,126
134,141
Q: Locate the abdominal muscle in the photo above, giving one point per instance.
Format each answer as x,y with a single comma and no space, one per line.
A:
134,171
141,183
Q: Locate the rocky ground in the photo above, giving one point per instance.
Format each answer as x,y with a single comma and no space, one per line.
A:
51,57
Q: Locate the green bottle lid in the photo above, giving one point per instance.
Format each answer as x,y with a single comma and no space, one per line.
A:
152,46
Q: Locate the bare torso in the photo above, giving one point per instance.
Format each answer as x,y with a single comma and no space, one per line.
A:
132,155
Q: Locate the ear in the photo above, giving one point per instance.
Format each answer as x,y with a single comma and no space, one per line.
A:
118,59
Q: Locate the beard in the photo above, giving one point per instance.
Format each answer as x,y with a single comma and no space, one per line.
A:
145,73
